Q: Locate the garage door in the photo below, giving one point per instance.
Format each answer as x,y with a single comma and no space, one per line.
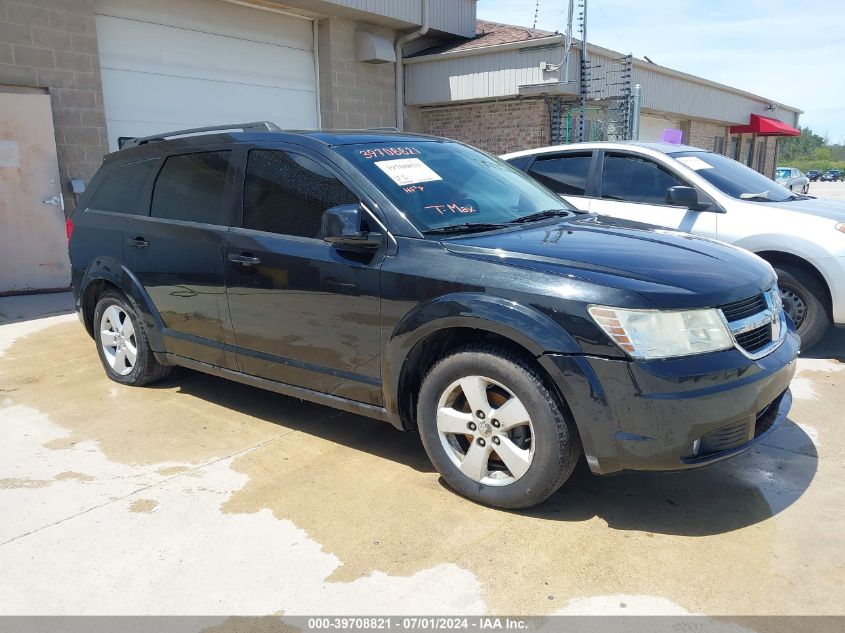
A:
651,128
174,65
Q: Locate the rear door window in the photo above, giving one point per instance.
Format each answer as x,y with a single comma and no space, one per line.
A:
564,174
121,190
635,179
190,187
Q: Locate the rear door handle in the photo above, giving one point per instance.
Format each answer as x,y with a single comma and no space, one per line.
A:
244,259
137,242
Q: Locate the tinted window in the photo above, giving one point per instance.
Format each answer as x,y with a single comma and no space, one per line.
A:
287,193
563,174
635,179
121,190
190,187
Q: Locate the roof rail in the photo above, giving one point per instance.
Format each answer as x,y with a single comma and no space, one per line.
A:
255,126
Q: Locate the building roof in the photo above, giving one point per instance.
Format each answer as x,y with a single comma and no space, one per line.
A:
489,34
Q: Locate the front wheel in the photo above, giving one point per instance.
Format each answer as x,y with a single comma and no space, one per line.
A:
493,429
804,301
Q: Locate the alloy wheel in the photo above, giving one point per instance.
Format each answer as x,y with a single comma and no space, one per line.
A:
117,339
485,430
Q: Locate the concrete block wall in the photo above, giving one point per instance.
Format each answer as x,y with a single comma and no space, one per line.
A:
52,45
353,94
497,126
703,134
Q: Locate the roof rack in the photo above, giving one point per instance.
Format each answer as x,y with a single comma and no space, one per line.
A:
255,126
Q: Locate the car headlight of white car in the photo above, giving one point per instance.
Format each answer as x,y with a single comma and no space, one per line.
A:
653,334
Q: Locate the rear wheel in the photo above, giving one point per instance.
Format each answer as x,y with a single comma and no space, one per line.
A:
804,301
122,343
493,430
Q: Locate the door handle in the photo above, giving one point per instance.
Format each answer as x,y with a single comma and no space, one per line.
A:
55,201
244,259
137,242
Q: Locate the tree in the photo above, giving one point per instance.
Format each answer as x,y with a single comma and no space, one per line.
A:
802,147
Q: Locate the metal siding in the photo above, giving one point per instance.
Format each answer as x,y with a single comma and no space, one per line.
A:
498,74
451,16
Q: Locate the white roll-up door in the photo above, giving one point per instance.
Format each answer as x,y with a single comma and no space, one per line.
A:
652,128
175,65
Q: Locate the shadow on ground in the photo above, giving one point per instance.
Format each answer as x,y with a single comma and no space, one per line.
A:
713,500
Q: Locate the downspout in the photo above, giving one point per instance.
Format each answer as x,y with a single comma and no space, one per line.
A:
400,67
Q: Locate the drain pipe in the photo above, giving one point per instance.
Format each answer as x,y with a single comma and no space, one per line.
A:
400,67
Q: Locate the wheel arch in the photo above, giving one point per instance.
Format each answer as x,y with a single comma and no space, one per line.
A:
434,328
106,274
776,258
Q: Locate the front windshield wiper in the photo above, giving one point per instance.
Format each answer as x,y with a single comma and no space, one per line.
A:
542,215
763,196
466,227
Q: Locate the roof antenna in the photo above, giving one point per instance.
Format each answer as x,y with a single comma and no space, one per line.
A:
536,13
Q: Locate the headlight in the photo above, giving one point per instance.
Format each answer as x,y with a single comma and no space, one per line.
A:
649,334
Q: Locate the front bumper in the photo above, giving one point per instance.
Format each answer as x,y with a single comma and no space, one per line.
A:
674,414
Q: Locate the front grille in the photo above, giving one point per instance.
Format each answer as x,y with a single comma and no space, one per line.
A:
745,308
755,321
725,438
756,339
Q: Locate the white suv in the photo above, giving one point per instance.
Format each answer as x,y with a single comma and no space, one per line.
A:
708,194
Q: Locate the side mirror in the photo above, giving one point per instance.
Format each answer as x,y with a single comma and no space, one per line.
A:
685,197
341,227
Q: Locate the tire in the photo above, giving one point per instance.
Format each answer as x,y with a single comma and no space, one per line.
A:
535,467
117,332
804,300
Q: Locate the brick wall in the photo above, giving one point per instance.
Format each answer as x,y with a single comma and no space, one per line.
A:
498,127
353,94
703,134
52,44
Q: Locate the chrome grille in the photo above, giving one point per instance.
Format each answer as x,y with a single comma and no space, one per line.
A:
756,323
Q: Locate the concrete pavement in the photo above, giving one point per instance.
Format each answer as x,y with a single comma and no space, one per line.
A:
202,496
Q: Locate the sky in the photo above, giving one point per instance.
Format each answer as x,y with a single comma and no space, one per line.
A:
790,52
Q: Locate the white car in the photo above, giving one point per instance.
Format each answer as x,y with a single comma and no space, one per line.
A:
792,179
708,194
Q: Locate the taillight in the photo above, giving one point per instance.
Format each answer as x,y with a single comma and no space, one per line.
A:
69,229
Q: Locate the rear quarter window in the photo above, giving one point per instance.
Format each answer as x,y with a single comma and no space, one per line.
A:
121,190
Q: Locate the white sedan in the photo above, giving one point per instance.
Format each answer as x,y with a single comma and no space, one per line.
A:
704,193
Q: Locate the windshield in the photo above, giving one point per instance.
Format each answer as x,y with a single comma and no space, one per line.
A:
442,184
733,178
783,173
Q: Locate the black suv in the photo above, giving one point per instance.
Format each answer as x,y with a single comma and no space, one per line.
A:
425,283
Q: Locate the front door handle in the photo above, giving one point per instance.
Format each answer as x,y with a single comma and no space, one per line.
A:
244,259
55,201
137,242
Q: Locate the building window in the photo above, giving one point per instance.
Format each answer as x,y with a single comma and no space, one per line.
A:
761,156
735,147
719,144
749,152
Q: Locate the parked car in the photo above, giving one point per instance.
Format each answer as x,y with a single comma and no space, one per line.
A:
711,195
792,179
814,175
832,175
425,283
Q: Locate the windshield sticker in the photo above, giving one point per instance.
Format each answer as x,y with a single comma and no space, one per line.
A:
694,162
381,152
407,171
453,208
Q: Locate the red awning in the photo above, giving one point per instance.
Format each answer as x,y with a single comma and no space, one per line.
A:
764,126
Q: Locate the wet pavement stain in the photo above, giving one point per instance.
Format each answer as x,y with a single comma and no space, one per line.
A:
143,505
724,539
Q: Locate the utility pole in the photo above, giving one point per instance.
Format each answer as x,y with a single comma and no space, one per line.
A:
585,74
636,97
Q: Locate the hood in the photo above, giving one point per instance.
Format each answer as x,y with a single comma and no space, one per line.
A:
670,268
830,209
